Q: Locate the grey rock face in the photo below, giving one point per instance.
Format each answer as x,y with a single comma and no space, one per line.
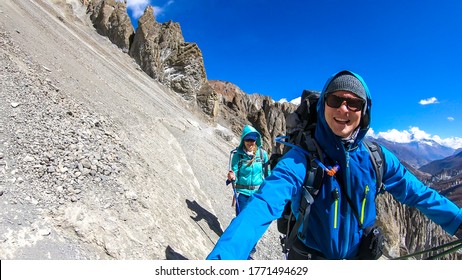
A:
161,52
408,231
208,100
145,49
110,19
261,111
159,49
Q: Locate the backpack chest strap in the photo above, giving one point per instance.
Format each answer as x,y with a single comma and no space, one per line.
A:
242,187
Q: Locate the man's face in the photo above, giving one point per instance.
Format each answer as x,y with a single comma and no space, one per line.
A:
344,119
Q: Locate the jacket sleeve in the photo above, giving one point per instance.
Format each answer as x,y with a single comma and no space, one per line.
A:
235,162
407,189
265,206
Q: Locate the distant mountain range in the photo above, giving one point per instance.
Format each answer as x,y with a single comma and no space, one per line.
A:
417,153
437,166
448,164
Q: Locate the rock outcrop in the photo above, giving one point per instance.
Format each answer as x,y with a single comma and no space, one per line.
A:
408,231
159,49
110,19
262,112
162,53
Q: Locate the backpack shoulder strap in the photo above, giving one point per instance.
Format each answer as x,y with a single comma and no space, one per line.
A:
239,164
376,155
262,155
311,185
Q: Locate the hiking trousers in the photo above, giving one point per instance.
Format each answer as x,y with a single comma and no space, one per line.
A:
243,200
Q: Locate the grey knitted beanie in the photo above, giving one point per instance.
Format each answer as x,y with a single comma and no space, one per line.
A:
346,81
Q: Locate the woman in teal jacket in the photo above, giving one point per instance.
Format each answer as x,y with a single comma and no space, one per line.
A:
332,230
248,166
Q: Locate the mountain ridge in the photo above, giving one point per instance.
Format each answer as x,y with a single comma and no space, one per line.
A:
453,162
417,153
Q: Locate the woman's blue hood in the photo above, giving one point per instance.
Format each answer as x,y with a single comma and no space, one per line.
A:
324,135
247,130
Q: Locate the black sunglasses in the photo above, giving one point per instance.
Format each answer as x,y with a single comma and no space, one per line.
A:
353,104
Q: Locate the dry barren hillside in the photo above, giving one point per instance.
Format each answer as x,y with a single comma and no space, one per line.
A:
98,161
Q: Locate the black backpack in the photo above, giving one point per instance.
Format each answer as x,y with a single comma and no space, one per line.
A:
300,127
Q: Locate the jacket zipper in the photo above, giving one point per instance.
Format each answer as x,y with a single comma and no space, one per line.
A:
363,204
346,247
335,196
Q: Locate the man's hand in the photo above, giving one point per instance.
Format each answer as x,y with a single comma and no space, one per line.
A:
231,176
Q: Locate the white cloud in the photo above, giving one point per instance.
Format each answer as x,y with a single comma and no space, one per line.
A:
414,133
396,136
406,136
137,7
450,119
453,142
431,100
371,133
419,134
160,10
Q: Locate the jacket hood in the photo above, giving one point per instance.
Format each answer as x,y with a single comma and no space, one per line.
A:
246,130
324,135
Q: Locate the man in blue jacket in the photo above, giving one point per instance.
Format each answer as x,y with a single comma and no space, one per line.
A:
333,230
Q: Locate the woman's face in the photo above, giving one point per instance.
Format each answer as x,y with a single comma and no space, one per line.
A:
250,145
344,119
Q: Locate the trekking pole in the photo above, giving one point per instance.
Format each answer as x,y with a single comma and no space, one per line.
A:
233,182
446,252
235,201
457,242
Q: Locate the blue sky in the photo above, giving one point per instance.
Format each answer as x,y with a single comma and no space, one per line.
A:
408,52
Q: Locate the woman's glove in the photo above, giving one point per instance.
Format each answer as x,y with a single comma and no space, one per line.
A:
231,176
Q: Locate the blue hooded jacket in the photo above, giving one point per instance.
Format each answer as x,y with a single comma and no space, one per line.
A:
332,228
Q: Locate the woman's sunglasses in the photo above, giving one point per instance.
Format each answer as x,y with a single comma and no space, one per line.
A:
353,104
